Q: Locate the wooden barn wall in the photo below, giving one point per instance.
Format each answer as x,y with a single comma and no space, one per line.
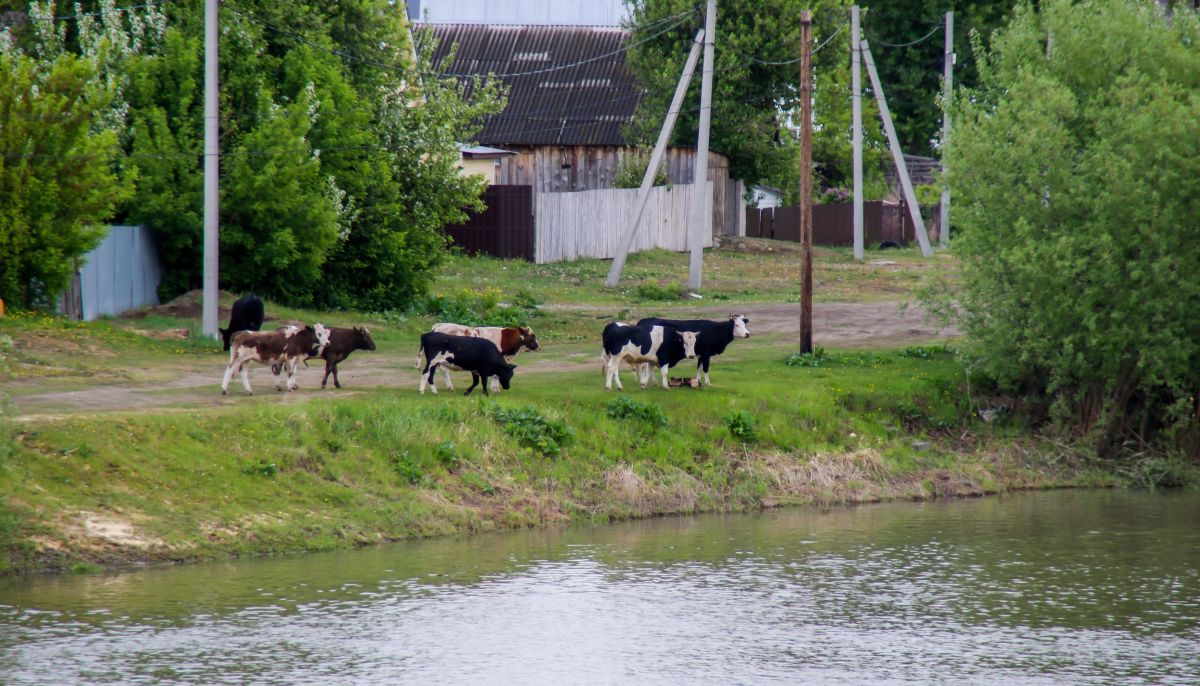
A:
590,223
568,169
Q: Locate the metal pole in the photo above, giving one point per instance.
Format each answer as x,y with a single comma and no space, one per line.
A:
947,89
211,171
664,135
856,99
701,215
914,210
806,117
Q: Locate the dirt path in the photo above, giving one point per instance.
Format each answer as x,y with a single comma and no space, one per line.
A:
842,325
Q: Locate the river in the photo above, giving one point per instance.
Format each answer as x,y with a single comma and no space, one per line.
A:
1095,587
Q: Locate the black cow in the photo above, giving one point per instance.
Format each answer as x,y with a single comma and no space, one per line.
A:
247,315
476,355
659,345
342,342
712,337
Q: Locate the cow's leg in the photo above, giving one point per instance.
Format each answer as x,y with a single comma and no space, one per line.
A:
613,373
276,369
336,382
225,380
446,377
699,366
644,375
427,378
292,365
474,383
664,368
707,381
245,371
329,367
487,381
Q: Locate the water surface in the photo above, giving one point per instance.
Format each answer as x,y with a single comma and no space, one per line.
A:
1044,588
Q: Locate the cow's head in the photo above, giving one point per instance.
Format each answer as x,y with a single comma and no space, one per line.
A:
527,338
740,326
505,373
365,341
689,343
226,334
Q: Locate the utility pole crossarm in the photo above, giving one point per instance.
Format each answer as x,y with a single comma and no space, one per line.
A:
897,154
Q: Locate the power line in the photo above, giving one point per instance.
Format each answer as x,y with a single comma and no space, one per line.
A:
922,39
797,59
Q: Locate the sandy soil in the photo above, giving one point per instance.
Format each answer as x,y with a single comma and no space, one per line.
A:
841,325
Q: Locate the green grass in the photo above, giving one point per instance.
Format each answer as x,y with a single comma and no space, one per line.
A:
267,476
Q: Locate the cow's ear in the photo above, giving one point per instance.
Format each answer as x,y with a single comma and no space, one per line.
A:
309,328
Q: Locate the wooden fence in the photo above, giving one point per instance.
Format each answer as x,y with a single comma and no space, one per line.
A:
505,229
591,223
833,223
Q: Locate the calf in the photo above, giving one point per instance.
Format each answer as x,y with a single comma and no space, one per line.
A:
509,340
712,336
474,355
247,315
342,342
284,347
659,345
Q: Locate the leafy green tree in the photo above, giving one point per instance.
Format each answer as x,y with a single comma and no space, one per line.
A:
1077,181
912,74
58,186
756,87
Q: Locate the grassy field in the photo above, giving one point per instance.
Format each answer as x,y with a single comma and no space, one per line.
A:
119,448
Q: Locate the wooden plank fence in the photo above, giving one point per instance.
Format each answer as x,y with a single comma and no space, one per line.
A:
590,223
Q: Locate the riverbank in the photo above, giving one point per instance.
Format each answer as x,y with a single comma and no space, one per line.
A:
118,449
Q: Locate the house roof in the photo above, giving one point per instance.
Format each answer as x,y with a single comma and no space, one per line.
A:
483,152
568,85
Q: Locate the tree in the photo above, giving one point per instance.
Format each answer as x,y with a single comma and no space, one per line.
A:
58,186
912,74
1077,179
755,87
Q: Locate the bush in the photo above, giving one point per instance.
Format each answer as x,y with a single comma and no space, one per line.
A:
816,358
741,426
650,291
624,407
533,430
1075,180
481,307
632,168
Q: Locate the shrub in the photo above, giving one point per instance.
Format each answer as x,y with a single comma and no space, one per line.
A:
624,407
533,430
816,358
481,307
741,426
632,168
650,291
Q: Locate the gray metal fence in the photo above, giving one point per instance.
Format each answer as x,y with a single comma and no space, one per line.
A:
120,274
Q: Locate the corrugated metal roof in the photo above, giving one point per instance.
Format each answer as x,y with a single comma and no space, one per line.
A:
524,12
568,85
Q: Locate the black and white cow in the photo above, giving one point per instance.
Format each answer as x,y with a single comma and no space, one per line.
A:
659,345
476,355
247,315
712,336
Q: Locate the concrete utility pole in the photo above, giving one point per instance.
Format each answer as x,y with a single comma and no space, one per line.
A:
947,89
856,100
701,214
664,135
806,117
211,171
914,210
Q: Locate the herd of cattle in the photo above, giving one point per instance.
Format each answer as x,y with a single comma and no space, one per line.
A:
486,352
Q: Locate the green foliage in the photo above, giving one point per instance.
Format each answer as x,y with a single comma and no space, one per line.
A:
816,358
654,292
754,103
625,407
409,469
741,426
261,468
1077,180
1162,471
481,307
632,168
534,430
58,186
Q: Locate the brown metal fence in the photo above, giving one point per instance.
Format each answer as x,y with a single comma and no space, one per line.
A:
505,229
833,223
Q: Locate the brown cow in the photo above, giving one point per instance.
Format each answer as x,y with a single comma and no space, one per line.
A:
509,340
342,342
284,347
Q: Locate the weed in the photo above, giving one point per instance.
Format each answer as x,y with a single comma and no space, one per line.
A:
814,359
927,352
407,467
446,455
650,291
533,430
741,426
261,468
625,407
1162,471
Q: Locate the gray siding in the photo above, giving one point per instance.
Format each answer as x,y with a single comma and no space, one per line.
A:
121,274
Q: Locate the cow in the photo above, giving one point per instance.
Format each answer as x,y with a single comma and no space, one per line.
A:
475,355
509,340
712,336
247,315
284,347
342,342
659,345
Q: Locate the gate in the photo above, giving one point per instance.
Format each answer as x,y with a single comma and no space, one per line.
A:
505,229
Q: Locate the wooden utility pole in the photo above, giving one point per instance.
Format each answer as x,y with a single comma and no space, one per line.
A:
208,310
914,210
806,117
856,101
947,89
614,273
701,214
